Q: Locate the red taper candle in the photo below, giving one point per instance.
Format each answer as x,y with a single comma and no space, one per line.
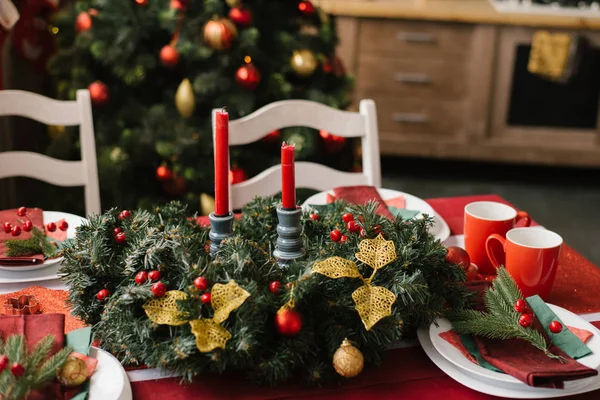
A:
222,163
288,177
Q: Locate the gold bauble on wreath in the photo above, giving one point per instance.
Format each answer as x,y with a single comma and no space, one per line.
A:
303,62
73,373
348,361
219,34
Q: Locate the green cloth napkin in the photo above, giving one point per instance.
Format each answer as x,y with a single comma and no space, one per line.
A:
403,213
471,346
565,340
80,341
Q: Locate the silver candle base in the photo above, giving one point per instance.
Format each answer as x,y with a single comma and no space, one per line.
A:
289,243
221,227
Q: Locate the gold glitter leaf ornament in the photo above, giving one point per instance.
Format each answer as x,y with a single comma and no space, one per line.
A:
373,303
376,253
209,334
164,310
337,267
226,298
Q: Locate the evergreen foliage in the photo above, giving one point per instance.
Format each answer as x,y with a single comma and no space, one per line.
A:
169,241
38,243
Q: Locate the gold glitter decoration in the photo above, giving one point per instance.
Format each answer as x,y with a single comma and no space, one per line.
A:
209,335
226,298
337,267
164,310
373,303
376,253
348,361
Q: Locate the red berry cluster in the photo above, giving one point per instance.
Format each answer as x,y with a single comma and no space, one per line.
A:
158,288
16,369
201,283
526,317
118,234
351,226
28,225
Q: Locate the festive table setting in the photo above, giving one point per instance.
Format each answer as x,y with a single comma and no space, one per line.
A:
360,292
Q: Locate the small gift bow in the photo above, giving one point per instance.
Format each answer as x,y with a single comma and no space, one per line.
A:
23,305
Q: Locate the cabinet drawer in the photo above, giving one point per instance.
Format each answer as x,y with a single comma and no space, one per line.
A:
435,79
424,39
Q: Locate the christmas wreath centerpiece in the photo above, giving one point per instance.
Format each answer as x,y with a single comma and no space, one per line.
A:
147,283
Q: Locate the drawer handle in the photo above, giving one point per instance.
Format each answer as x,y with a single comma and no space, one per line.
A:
411,118
416,37
412,78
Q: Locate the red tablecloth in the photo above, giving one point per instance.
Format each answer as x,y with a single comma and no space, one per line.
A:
406,373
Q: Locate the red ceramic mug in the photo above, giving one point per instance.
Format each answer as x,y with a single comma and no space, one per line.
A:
531,258
483,218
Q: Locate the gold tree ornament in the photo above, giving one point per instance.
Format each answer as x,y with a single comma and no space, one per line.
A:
220,33
373,303
337,267
303,62
209,335
348,361
73,373
207,204
226,298
185,100
376,253
164,310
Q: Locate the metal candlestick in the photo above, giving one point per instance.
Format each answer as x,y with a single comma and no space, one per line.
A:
289,242
221,227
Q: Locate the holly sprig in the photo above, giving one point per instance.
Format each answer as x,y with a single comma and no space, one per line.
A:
501,320
36,244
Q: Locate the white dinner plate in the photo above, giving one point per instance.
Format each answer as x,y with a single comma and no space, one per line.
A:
47,269
439,229
454,356
109,381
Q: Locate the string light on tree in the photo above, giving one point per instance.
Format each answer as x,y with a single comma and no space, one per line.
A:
219,34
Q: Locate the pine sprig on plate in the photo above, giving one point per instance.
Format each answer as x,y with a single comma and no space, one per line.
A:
36,244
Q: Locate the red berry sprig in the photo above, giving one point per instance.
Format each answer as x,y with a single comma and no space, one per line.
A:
116,231
22,211
314,217
27,226
335,235
63,226
102,294
353,226
159,289
347,217
343,239
154,275
124,214
555,327
120,237
274,287
16,230
206,298
201,283
525,320
17,369
7,227
520,306
51,227
3,362
141,277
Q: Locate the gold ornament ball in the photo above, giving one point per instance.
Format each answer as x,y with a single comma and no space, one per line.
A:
185,100
219,34
232,3
348,361
73,373
303,62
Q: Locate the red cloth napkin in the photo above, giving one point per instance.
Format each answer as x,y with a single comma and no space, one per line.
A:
362,195
36,217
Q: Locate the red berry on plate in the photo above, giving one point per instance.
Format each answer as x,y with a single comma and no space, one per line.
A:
141,277
205,298
102,294
343,239
16,230
17,369
314,217
154,275
274,287
353,226
201,283
120,237
27,226
63,226
335,235
22,211
347,217
458,256
3,362
159,289
520,306
116,231
7,227
555,327
525,320
124,214
51,227
472,272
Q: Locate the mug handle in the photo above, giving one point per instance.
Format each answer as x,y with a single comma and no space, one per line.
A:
490,252
522,215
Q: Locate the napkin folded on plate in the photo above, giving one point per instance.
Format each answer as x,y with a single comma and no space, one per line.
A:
362,195
37,219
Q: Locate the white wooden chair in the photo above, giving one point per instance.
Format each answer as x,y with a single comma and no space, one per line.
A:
47,169
288,113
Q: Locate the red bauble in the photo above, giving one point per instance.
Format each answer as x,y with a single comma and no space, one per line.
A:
142,2
175,186
306,8
520,306
22,211
237,175
154,275
555,327
333,143
124,214
335,235
159,289
353,226
27,226
179,4
98,93
458,256
7,227
163,173
63,226
141,277
205,298
247,76
472,272
169,56
327,67
102,294
344,238
17,369
274,287
273,137
288,322
16,230
314,217
347,217
3,362
201,283
51,227
83,22
116,231
241,16
525,320
120,237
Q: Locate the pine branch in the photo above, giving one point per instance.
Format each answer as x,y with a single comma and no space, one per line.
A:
37,244
49,369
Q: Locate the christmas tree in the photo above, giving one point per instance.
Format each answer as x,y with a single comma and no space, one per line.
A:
155,70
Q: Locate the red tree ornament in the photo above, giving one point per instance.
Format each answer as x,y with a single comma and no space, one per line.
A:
98,93
17,369
201,283
333,143
163,173
306,8
555,327
176,186
141,277
241,16
273,137
237,175
206,298
159,289
141,2
288,322
83,22
102,294
169,56
525,320
471,272
274,286
458,256
247,76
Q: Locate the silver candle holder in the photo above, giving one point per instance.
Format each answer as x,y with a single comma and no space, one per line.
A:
221,228
289,242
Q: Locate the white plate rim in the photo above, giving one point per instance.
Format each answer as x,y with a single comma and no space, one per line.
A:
109,366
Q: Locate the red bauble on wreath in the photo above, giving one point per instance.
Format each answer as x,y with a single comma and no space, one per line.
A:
458,256
169,56
98,93
241,16
288,322
247,76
